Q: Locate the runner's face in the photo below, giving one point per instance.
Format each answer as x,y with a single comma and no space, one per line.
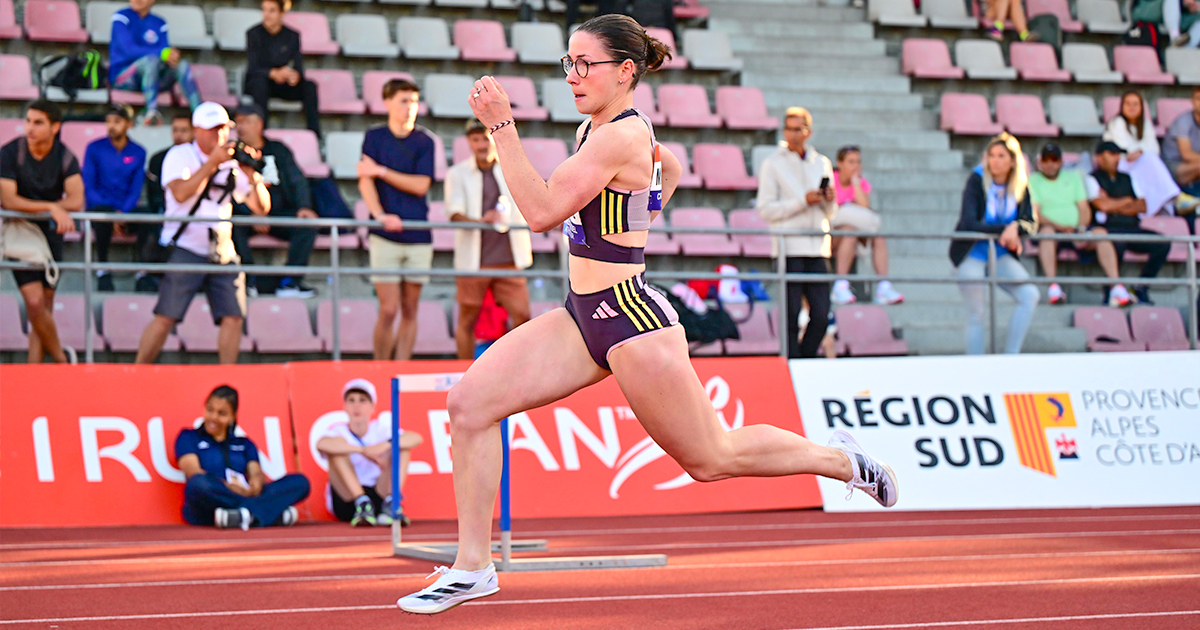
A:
600,86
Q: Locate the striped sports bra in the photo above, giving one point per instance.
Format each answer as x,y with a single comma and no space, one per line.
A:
615,212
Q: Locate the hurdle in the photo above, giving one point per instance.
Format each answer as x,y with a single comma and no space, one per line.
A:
445,552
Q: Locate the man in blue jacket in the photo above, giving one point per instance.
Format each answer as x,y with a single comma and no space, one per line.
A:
113,175
141,59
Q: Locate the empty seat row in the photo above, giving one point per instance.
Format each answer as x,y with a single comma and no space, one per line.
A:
1097,16
1160,223
1153,328
1023,115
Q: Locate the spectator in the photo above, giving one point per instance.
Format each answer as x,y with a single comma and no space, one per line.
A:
148,233
225,485
795,193
1182,19
113,175
1000,10
1132,130
289,198
475,192
203,180
360,460
1060,205
393,178
1181,148
275,67
38,174
995,201
141,59
853,193
1119,207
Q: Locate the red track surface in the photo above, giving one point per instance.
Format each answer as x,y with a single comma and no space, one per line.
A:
1047,569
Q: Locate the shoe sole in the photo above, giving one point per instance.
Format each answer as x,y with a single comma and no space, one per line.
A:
891,473
448,605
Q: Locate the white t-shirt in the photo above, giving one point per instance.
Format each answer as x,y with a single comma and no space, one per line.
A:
180,163
367,470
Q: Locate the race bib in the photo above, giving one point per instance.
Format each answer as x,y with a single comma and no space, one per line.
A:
655,202
573,229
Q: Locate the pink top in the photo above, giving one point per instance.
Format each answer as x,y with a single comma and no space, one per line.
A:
846,194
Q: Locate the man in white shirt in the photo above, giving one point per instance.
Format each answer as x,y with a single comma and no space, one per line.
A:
202,179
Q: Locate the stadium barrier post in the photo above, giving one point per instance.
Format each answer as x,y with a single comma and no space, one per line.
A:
781,303
991,272
505,500
397,495
335,285
88,350
1193,306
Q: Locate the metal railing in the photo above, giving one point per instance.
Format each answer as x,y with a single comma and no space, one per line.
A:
335,270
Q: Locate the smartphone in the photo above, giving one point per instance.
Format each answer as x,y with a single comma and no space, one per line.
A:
824,183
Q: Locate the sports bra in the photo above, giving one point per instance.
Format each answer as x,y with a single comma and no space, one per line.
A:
615,212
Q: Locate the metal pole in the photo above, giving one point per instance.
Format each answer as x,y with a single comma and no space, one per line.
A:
505,500
397,496
88,351
335,287
991,263
781,322
1192,304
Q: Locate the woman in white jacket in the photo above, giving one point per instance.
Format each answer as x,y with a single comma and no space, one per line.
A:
1132,130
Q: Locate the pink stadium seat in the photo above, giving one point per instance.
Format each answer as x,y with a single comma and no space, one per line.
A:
213,84
266,241
689,179
687,106
523,97
928,59
692,244
1036,61
347,239
336,93
723,167
443,238
16,79
372,89
1169,226
744,108
1140,65
1022,115
865,331
690,9
125,318
130,97
1106,328
482,40
12,335
1170,109
546,242
968,115
439,159
1159,327
545,154
315,38
281,325
462,150
8,21
677,61
433,331
753,245
1057,8
68,317
661,243
54,21
757,334
1110,108
11,129
197,332
643,100
357,325
303,144
76,135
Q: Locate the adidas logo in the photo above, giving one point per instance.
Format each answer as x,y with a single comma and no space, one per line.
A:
604,311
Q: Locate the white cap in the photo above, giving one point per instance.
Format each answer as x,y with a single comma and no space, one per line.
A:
210,115
360,384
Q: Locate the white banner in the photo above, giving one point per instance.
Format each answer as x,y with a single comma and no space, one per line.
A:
1014,431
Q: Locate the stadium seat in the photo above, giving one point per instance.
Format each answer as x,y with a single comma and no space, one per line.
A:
866,331
187,26
16,79
1057,8
1075,115
419,3
130,97
356,321
758,154
447,95
439,158
125,318
894,13
710,50
461,150
1170,226
560,100
1110,107
97,19
982,59
753,245
12,334
1102,16
967,115
152,139
690,10
8,21
230,26
1106,329
1160,328
336,93
425,38
1140,65
689,179
53,21
1089,63
661,244
435,337
677,60
722,166
315,38
757,334
77,134
344,149
443,238
948,14
365,36
692,244
1037,62
347,239
372,85
305,148
744,108
1170,109
69,313
482,40
929,59
1022,115
523,97
545,154
643,99
477,4
687,106
1185,64
281,325
11,129
213,83
538,42
546,242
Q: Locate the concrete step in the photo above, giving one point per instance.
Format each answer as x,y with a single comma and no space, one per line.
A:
801,85
745,48
888,181
882,120
778,99
942,340
770,65
954,314
786,11
911,161
774,32
912,204
881,141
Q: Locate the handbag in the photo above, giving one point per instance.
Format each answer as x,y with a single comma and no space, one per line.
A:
23,241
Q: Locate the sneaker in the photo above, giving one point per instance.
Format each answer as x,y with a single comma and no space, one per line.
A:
871,476
995,33
453,587
1029,36
289,516
72,356
364,514
384,517
105,283
146,284
1142,294
1186,204
150,118
841,293
226,518
1182,40
1119,296
886,294
1056,294
251,291
296,290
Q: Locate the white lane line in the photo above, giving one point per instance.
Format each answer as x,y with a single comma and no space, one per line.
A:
214,582
997,622
645,597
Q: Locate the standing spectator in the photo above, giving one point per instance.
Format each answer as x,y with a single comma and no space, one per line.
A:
995,201
148,233
38,174
853,193
275,67
360,460
203,180
141,59
475,192
225,484
113,175
1000,10
1181,147
290,197
1132,130
795,192
1060,206
1182,19
1119,209
393,178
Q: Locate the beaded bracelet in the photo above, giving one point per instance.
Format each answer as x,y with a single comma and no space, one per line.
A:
500,125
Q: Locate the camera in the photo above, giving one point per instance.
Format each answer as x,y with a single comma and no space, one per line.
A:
245,158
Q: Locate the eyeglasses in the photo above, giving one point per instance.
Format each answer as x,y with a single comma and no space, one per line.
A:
581,65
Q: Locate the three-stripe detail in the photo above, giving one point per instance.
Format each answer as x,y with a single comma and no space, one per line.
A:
634,307
612,212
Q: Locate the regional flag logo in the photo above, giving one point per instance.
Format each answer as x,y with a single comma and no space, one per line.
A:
1030,415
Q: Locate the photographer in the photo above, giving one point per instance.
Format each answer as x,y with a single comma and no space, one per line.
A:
203,181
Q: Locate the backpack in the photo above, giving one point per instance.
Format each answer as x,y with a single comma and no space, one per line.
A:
1146,34
71,73
1048,30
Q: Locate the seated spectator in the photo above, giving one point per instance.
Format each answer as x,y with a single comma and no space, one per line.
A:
360,461
39,174
181,133
1060,205
854,213
141,59
225,485
1000,10
1181,150
289,198
1182,19
1119,209
995,201
275,67
1132,130
113,175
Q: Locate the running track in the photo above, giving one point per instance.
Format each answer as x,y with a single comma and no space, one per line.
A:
1046,569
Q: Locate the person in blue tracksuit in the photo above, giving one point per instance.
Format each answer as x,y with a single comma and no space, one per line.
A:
141,59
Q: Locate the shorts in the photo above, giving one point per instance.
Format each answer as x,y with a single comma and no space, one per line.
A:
344,510
226,292
29,276
613,317
856,217
1086,254
387,254
508,291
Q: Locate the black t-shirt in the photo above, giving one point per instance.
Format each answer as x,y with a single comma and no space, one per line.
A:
154,191
38,180
1117,188
265,52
